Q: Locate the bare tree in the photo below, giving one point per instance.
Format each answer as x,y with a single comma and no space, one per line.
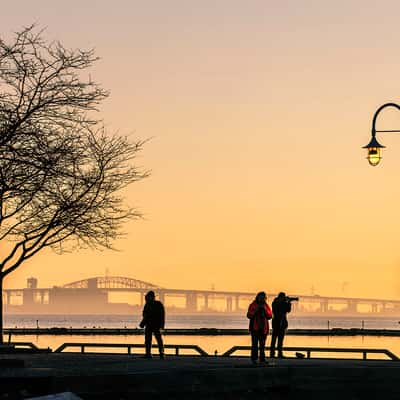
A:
61,173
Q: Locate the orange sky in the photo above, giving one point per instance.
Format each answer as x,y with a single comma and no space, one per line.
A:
258,111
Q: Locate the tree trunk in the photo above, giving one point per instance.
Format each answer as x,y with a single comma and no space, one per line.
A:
1,308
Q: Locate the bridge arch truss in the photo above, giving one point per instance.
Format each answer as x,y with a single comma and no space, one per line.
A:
110,282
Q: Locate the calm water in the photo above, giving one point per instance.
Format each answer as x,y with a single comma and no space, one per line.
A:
208,343
192,321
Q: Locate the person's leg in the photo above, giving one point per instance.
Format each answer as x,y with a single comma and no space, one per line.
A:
160,343
254,345
262,339
281,335
148,333
273,341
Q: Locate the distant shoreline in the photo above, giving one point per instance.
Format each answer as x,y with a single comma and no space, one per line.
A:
309,316
197,332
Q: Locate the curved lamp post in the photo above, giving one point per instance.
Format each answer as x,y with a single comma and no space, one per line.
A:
374,147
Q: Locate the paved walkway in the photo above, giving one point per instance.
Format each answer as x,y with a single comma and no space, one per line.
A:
121,376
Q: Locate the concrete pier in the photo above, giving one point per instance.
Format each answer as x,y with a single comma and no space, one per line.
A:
120,376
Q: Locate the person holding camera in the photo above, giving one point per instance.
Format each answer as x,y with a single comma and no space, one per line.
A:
153,320
280,307
259,314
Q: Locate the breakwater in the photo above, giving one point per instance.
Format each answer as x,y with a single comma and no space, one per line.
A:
197,331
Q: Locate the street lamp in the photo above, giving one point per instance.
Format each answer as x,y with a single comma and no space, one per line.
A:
374,147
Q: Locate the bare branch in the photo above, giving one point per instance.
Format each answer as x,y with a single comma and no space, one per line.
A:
61,173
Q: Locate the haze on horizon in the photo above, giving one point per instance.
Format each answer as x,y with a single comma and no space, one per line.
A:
257,113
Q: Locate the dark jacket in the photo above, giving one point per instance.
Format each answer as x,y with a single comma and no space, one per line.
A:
153,315
280,307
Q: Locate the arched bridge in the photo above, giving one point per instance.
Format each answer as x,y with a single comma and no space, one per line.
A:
94,295
110,282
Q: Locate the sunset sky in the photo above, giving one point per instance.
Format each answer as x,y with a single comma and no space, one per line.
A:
257,112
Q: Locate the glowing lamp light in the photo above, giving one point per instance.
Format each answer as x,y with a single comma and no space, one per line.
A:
374,155
374,151
374,147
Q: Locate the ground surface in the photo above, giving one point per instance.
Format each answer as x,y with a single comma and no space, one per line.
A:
120,376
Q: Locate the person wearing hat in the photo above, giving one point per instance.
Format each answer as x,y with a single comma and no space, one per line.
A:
153,321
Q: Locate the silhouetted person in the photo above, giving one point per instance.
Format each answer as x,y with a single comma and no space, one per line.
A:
259,313
280,307
153,320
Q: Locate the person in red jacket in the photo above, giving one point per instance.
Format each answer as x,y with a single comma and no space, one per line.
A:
259,314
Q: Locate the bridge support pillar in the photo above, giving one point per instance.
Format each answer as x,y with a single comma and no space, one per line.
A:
191,302
141,299
324,306
161,296
236,303
206,302
43,297
229,304
352,306
27,297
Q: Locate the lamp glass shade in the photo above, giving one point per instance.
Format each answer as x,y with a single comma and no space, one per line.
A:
374,155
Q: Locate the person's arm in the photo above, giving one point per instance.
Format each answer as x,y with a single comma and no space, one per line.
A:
289,307
253,307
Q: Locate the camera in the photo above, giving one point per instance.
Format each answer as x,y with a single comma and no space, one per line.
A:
290,299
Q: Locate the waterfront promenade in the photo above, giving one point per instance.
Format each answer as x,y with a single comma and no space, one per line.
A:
122,376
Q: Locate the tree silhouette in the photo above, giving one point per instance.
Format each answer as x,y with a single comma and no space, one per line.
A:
61,173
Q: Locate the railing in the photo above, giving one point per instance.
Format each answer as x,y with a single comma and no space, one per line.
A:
130,346
310,350
23,346
28,346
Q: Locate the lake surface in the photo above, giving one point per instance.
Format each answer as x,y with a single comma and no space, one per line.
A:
220,344
209,343
193,321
